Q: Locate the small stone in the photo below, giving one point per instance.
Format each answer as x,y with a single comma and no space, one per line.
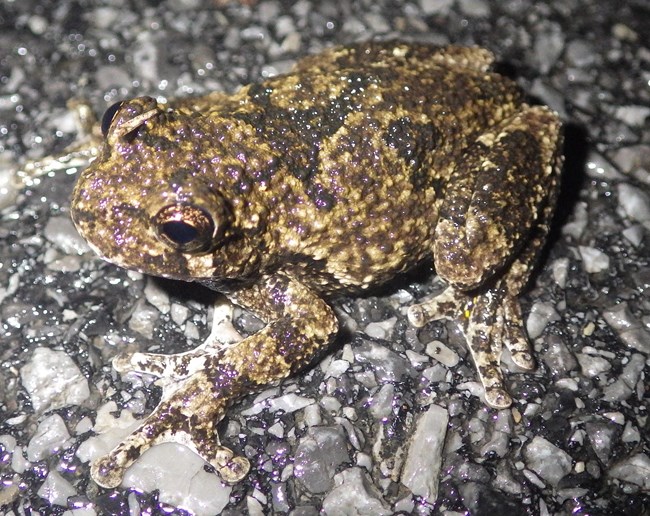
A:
354,495
318,455
594,260
547,460
591,365
424,458
635,203
629,330
157,296
443,354
62,233
289,403
51,437
387,365
540,315
179,476
634,469
381,403
53,380
435,6
56,489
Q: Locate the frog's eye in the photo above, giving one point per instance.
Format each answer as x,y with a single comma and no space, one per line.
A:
109,116
187,228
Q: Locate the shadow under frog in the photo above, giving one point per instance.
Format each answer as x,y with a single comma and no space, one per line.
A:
360,164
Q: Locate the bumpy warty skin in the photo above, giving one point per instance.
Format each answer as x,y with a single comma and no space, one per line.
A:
360,164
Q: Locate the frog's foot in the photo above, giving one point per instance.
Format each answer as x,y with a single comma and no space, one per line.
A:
181,365
487,320
187,414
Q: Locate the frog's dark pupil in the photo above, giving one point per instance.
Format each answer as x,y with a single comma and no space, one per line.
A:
108,117
180,232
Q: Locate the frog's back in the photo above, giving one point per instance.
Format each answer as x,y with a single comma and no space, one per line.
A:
368,136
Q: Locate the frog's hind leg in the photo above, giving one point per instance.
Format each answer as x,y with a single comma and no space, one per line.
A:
492,225
485,323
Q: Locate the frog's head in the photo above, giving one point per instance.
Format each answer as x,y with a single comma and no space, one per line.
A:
148,202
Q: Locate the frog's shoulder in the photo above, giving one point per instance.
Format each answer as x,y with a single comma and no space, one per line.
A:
397,54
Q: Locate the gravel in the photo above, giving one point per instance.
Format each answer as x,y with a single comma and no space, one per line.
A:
390,420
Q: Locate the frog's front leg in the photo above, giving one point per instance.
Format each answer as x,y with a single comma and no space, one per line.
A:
170,368
491,227
299,324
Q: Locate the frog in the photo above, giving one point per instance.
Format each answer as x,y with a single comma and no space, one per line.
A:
362,163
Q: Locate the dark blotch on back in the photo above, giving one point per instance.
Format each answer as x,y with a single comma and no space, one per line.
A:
413,141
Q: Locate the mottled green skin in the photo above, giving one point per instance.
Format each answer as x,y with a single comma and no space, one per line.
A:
359,164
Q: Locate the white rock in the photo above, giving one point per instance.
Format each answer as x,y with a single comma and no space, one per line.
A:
442,353
592,366
635,470
289,403
53,380
353,495
435,6
547,460
422,467
540,315
157,296
594,260
179,475
56,489
50,437
62,233
635,203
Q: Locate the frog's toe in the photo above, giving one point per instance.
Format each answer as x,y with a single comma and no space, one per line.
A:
446,305
498,398
515,336
106,472
148,363
234,470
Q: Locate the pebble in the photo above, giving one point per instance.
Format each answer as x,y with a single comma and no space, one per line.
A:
635,203
601,434
318,455
629,330
442,353
623,387
548,461
541,313
56,489
381,403
288,403
549,44
421,470
593,260
144,319
354,495
157,296
196,490
53,380
51,437
634,469
387,365
62,233
381,329
558,358
435,6
592,366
